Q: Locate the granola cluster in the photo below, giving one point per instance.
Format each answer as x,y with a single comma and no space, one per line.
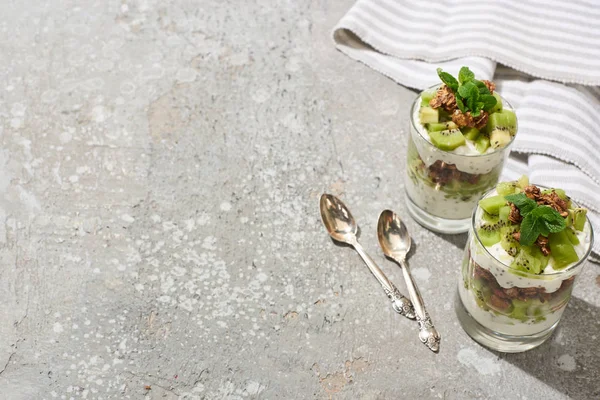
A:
445,98
501,297
443,173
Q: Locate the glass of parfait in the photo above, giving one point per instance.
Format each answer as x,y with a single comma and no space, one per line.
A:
450,165
511,295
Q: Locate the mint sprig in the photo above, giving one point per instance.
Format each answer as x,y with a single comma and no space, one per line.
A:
471,95
537,219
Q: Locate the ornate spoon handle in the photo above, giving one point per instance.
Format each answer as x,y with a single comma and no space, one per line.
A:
400,303
427,332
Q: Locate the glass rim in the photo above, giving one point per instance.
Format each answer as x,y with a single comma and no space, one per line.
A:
528,274
414,123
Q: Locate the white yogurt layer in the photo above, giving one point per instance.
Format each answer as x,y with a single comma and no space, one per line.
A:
498,264
466,158
503,324
435,202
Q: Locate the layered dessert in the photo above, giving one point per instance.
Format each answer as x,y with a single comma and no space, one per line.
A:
459,141
523,256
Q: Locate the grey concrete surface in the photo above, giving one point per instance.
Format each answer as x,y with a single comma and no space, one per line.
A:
160,169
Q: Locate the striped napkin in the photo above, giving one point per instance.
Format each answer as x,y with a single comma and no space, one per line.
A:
543,55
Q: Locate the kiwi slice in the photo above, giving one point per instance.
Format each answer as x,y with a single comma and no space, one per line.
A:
504,120
489,217
441,126
492,204
426,97
503,214
579,218
489,232
572,236
562,250
523,182
507,241
520,310
428,115
526,263
500,138
448,139
498,106
470,133
506,188
536,252
482,143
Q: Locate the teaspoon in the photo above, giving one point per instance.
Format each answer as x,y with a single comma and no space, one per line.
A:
395,243
342,227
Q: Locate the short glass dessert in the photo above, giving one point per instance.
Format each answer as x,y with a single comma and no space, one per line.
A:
454,154
526,247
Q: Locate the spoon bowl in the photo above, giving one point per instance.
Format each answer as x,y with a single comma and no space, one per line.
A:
338,220
393,235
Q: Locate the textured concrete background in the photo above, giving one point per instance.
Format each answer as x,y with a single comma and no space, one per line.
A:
160,169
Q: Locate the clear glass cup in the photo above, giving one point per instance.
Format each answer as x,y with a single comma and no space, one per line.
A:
443,187
508,310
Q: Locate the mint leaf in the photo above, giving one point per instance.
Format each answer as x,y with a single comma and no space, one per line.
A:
529,230
489,101
540,220
460,105
465,75
523,203
448,79
550,218
465,90
482,88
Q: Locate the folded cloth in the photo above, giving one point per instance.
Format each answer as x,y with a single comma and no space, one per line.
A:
543,55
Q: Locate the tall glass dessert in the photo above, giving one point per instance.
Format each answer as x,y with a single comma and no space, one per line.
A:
527,245
460,136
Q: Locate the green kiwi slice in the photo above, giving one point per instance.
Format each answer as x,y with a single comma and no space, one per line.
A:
579,218
499,138
507,241
562,250
426,97
506,188
428,115
526,262
489,232
504,120
503,214
572,236
448,139
441,126
498,106
470,133
482,143
492,204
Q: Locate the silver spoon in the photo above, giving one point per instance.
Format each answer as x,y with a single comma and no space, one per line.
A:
395,242
342,227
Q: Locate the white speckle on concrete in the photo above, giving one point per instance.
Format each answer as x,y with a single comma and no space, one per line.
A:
421,274
186,75
566,362
99,114
262,277
225,206
127,218
483,365
57,327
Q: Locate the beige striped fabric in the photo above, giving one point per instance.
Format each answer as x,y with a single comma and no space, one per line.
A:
544,57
